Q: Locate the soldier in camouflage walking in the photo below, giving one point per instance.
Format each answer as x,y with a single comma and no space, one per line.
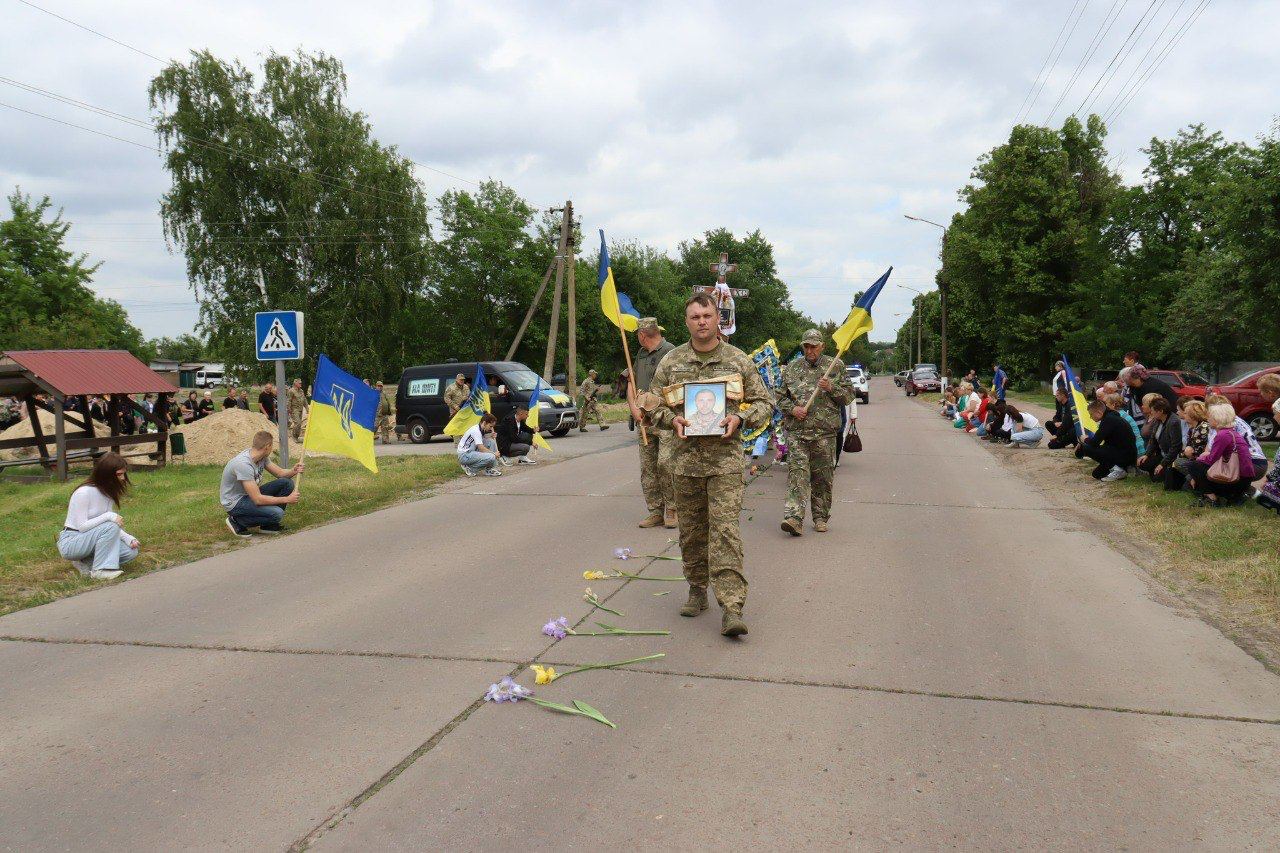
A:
385,415
811,431
455,396
708,469
589,405
297,399
656,456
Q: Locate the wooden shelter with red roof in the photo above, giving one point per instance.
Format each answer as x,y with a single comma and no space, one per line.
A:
61,381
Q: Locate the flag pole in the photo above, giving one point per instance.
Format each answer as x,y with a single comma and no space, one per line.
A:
631,376
826,375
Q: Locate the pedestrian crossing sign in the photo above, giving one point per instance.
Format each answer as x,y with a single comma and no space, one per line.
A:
278,335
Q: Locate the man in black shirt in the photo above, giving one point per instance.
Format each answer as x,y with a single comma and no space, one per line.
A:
1113,446
267,401
515,439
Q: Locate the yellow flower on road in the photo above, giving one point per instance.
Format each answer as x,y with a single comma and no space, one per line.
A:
593,576
543,674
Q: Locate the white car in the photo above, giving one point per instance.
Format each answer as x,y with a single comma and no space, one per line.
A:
858,377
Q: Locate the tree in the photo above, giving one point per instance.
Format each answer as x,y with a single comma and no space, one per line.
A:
184,348
281,199
45,301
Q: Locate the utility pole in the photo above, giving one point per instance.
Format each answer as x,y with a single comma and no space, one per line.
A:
561,251
942,290
571,369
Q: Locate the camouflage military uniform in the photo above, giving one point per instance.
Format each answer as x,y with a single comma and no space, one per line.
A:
656,457
454,396
588,407
297,400
384,418
811,443
708,472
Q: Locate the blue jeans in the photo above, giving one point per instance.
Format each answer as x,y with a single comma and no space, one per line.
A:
102,543
476,461
248,514
1029,437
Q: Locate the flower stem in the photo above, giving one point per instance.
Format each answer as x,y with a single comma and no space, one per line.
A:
609,665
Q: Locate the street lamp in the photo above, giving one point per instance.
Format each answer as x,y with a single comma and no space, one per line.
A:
919,310
942,288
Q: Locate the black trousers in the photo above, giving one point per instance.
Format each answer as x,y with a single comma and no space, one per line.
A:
1204,487
1106,457
1064,434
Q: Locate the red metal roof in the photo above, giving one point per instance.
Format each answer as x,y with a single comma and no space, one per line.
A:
91,371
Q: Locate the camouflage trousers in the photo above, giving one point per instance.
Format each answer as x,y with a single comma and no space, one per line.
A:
295,425
588,409
655,470
383,428
811,466
710,543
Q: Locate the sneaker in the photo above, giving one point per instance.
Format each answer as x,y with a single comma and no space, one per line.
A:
493,472
82,566
237,530
271,529
104,574
525,460
504,461
1117,473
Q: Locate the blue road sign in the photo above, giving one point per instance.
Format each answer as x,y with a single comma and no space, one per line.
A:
279,335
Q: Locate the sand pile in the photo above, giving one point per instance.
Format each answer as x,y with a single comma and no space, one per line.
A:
215,439
23,430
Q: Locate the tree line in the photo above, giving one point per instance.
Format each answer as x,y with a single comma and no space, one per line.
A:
1054,253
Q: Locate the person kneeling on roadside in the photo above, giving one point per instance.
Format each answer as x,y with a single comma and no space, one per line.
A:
515,439
1164,444
1112,446
1027,431
93,537
477,450
1227,485
249,504
1063,425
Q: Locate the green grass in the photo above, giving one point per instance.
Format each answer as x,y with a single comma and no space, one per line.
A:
175,514
1040,398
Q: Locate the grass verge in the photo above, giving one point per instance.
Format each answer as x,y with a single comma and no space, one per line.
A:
175,514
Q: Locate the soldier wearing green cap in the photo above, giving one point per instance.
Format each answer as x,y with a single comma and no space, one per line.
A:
589,406
655,457
812,431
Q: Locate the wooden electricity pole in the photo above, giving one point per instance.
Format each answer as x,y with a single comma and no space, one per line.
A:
571,369
561,252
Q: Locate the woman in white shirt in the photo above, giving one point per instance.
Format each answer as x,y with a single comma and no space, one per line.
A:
1027,432
93,537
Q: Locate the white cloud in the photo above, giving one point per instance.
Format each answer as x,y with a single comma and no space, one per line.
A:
820,123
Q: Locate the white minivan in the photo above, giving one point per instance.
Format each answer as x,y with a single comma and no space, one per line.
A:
858,377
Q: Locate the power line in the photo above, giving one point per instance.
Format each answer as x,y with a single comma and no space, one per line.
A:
1139,67
1043,65
1186,27
1054,62
1108,21
95,32
1126,43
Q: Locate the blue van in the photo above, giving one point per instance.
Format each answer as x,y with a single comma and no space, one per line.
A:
421,413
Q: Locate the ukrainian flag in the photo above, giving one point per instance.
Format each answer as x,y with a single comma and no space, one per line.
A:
1085,424
858,323
343,410
616,306
532,421
476,407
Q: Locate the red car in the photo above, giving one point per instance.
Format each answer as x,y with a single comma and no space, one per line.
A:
1184,383
1248,403
921,380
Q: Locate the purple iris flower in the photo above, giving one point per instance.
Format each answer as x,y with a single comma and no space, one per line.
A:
557,628
623,553
506,690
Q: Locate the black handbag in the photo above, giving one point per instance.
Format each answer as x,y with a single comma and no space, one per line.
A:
853,441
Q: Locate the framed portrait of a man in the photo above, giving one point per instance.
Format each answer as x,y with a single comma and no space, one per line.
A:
704,408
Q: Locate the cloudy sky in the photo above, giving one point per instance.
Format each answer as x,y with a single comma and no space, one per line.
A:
819,123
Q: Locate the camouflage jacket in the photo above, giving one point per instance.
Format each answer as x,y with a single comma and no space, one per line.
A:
384,406
707,456
455,395
297,401
799,379
588,390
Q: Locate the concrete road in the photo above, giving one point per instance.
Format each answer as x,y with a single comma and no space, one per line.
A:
956,664
567,446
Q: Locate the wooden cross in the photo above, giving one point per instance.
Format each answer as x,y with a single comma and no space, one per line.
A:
723,268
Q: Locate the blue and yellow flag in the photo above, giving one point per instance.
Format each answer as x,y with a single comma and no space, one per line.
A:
616,306
472,410
532,421
858,323
1085,424
343,410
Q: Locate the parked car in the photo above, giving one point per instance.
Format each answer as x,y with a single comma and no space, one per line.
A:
858,377
1248,403
922,380
900,377
421,412
1185,383
924,365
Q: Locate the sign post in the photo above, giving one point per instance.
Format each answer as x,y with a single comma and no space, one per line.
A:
279,338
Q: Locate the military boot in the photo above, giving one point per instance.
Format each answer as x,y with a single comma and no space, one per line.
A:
792,526
670,521
653,519
820,526
697,602
731,624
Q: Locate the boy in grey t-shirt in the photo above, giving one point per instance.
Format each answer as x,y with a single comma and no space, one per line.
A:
248,504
